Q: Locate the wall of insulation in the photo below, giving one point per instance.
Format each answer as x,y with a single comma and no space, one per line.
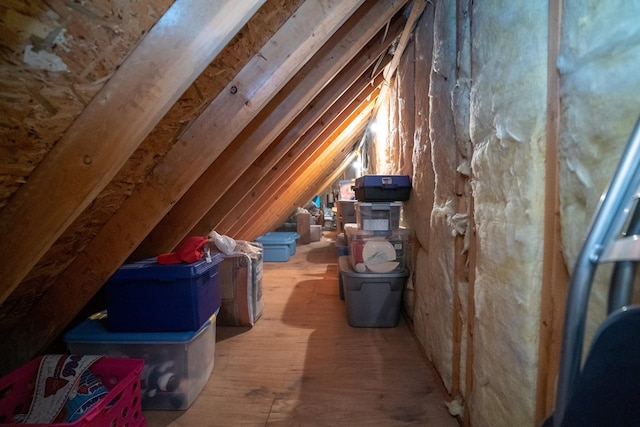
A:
469,117
599,87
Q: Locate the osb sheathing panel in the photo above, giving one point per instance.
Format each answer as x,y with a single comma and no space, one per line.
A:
56,56
207,86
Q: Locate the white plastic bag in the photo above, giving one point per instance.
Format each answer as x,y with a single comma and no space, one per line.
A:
250,248
225,244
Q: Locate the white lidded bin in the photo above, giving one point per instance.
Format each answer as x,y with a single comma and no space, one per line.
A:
177,365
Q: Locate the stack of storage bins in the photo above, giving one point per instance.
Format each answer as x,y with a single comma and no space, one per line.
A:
165,315
373,275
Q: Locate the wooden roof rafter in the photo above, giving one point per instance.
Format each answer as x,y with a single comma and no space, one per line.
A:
292,46
302,174
360,38
77,168
234,203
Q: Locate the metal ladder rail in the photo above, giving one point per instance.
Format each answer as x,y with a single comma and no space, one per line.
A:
624,271
606,227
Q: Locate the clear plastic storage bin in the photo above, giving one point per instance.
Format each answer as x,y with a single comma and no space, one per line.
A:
177,365
379,217
373,253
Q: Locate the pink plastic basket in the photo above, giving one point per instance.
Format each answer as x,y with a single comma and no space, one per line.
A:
120,407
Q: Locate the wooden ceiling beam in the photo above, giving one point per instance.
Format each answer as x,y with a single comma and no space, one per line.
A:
316,118
297,176
297,192
255,181
280,113
111,127
416,11
308,148
326,178
265,74
323,178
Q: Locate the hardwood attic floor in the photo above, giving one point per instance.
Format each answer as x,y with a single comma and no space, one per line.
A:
303,365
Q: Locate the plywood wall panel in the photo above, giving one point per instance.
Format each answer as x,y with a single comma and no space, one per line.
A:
180,168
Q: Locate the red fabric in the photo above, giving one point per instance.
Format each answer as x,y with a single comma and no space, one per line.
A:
190,250
170,258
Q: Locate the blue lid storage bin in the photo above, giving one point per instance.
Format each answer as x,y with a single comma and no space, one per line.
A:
278,246
177,365
149,297
373,300
287,238
382,188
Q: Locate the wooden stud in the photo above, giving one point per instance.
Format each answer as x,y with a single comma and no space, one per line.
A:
555,277
416,11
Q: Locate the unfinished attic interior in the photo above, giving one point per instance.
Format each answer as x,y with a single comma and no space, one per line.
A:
130,126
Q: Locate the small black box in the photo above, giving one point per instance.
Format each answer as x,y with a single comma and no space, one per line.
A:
382,188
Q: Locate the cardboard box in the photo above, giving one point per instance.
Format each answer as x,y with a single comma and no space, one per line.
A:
241,284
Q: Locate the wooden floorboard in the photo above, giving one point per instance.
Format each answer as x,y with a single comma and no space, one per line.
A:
303,365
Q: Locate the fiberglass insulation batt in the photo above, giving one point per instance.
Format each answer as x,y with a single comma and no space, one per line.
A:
599,83
508,98
480,79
